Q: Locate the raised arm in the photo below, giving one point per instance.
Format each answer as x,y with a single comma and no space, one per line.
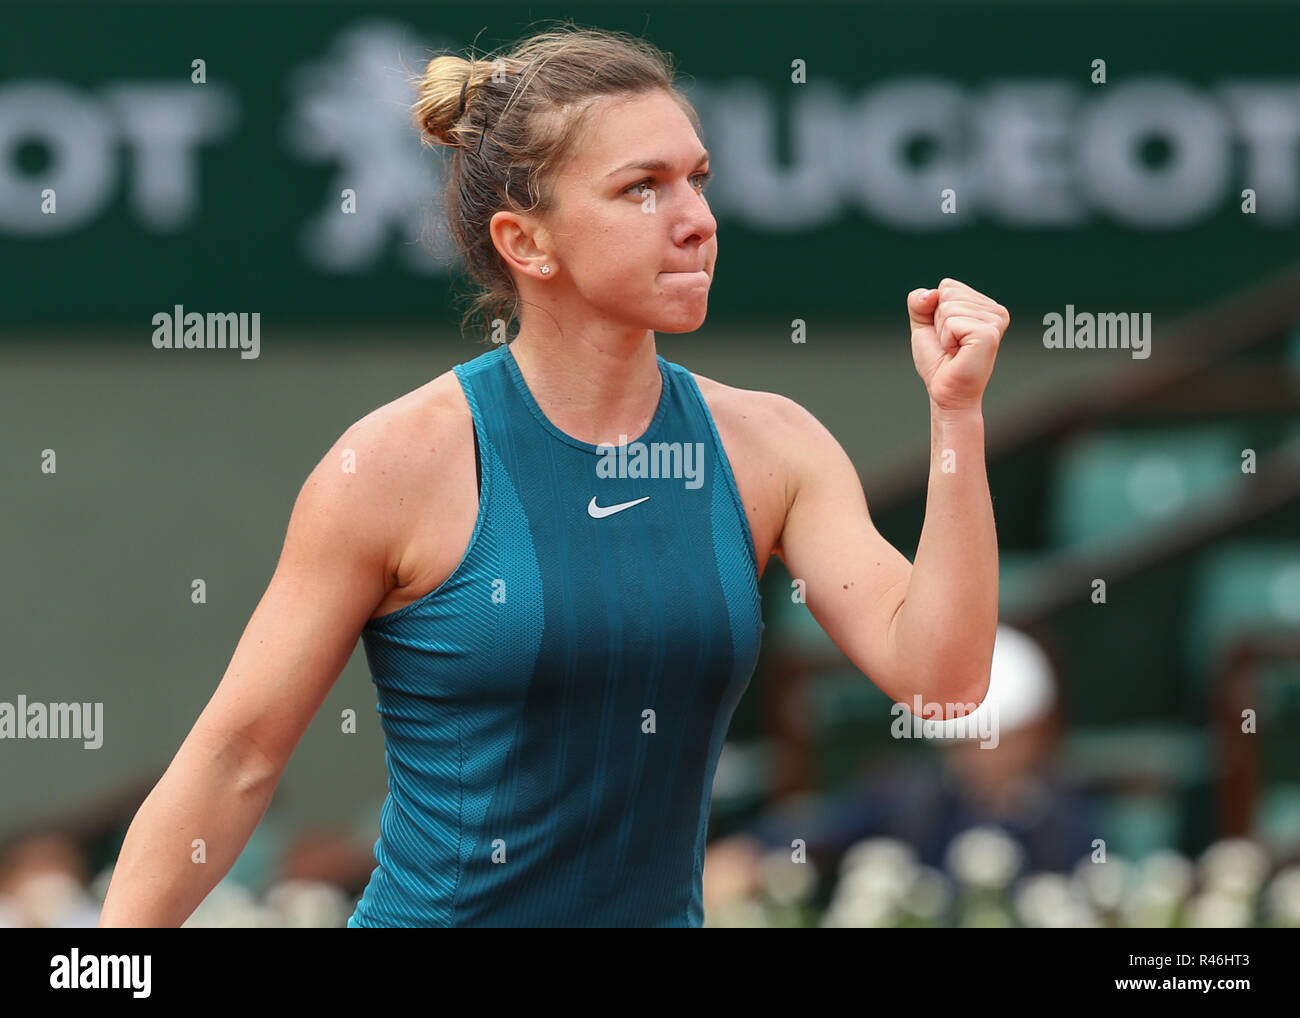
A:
333,571
926,627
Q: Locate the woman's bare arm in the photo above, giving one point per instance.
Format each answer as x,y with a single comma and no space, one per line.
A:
334,569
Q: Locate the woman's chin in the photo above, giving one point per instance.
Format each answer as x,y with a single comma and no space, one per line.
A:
682,312
672,324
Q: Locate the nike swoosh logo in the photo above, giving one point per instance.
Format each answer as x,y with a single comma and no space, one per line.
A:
597,512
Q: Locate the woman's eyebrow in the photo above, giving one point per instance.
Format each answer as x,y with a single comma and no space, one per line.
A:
656,165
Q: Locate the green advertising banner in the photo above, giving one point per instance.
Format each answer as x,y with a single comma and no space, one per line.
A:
257,158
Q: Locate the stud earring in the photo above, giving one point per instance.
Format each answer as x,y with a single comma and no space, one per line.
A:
545,269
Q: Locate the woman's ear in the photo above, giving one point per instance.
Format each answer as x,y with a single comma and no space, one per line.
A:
523,243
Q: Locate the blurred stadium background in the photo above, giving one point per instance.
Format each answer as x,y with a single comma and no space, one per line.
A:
1124,196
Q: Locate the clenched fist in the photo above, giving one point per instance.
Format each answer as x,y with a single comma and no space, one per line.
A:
955,335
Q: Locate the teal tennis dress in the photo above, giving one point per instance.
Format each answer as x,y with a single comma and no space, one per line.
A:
554,711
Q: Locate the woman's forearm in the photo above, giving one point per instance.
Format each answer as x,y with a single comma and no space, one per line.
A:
188,832
947,621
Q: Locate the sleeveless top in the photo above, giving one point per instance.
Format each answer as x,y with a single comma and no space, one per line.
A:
554,711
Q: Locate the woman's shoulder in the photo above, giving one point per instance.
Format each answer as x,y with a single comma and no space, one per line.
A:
756,416
408,441
436,410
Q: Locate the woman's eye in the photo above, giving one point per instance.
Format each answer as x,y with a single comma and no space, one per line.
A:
702,178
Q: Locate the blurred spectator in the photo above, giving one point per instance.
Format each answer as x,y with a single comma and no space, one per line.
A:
43,884
1015,785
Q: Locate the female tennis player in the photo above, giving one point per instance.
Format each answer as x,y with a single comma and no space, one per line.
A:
559,635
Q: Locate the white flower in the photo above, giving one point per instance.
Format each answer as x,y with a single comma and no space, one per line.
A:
230,906
984,857
930,894
860,912
879,853
309,904
1216,911
1149,914
54,900
1102,883
1045,900
875,882
1282,898
787,882
1234,867
1157,890
877,870
1164,876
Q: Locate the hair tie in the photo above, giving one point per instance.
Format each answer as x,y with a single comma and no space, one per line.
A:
461,112
483,131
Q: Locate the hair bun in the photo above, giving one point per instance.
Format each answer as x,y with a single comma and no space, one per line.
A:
441,94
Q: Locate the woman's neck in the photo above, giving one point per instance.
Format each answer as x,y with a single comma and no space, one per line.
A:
596,391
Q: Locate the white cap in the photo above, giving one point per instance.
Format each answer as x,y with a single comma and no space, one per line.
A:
1021,689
